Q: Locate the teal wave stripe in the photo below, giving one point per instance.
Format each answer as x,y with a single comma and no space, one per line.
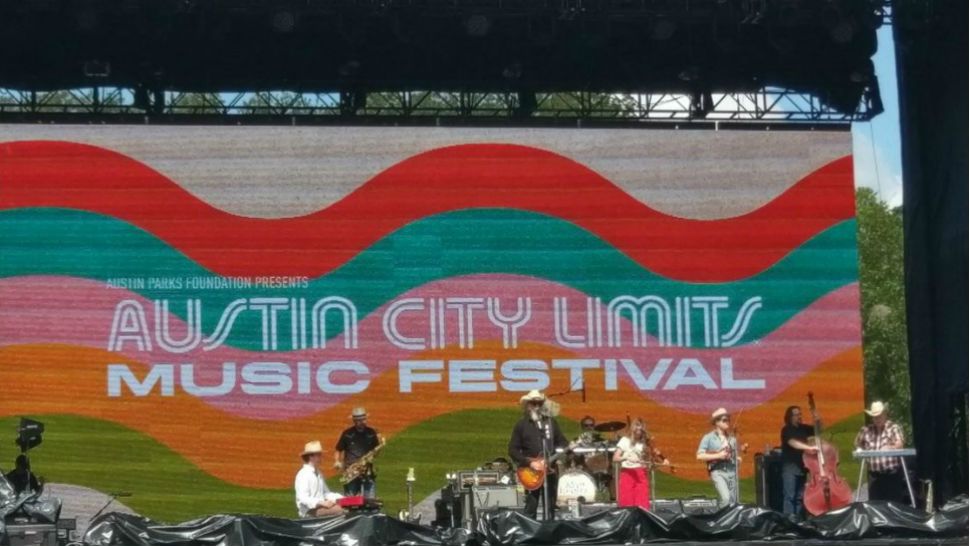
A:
51,241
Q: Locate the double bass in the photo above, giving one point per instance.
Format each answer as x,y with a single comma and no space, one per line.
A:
825,490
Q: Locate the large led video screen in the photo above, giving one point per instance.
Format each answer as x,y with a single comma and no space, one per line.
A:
185,307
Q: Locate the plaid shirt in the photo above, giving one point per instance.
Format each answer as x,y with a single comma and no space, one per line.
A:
869,439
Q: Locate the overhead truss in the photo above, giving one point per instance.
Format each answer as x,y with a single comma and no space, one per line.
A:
108,104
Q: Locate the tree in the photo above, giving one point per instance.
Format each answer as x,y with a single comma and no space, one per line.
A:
884,344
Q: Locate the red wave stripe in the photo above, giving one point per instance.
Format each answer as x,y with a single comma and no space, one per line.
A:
80,176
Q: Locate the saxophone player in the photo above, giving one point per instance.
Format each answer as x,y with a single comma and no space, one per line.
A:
354,443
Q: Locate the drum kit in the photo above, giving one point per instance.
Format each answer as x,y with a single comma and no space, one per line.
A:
589,475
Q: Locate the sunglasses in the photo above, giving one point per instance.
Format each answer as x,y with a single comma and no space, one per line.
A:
588,425
723,419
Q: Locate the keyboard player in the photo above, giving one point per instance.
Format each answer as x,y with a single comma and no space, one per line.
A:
886,479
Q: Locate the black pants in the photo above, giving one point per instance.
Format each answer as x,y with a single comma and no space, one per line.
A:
532,497
888,486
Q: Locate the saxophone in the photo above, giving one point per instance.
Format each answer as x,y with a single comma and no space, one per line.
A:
361,466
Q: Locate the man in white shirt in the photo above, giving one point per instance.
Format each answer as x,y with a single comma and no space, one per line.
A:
313,498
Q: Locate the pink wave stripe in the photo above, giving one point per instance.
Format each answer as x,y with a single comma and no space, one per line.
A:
73,311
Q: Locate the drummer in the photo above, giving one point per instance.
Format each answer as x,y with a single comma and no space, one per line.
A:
589,434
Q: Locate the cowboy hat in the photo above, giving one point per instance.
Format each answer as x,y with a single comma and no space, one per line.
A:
358,413
532,396
876,409
718,413
312,448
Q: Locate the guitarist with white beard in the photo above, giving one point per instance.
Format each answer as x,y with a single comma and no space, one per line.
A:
526,448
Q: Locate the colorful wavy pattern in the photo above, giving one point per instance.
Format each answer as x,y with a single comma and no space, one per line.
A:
462,243
486,220
230,447
78,176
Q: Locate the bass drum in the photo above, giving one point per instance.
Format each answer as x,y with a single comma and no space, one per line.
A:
598,463
575,485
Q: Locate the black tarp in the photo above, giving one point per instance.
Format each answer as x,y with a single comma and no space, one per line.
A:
737,523
43,509
117,529
931,57
502,527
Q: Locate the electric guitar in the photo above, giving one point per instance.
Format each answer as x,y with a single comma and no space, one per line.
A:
532,479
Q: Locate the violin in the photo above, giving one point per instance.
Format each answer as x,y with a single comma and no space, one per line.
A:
825,490
655,457
651,456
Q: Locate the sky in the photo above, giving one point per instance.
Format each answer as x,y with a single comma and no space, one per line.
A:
876,143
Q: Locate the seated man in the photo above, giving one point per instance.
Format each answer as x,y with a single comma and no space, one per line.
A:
313,498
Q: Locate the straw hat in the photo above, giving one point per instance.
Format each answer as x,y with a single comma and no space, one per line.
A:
718,413
876,409
312,448
532,396
358,413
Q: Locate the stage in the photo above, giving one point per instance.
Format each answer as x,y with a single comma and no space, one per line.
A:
859,523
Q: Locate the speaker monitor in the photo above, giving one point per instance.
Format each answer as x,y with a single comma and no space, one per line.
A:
769,492
693,506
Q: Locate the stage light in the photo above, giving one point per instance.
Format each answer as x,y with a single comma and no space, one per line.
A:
701,104
477,25
284,21
29,434
512,71
662,29
349,68
141,101
689,74
527,104
96,69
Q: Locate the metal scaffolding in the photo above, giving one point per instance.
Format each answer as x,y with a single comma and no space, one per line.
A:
109,105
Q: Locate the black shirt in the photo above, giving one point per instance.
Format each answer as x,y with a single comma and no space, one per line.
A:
356,443
801,433
527,438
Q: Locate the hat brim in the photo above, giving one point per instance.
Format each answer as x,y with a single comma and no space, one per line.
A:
875,413
305,453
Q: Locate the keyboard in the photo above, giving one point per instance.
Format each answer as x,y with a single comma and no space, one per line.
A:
873,453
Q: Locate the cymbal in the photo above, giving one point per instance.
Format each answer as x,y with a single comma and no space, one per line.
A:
610,426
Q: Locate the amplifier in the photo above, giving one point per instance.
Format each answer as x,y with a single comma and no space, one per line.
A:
496,496
670,506
769,492
479,477
593,508
691,507
699,505
31,534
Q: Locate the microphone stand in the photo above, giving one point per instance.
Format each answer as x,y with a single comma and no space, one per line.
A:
546,422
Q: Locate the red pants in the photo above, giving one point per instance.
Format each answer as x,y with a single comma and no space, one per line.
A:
634,488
